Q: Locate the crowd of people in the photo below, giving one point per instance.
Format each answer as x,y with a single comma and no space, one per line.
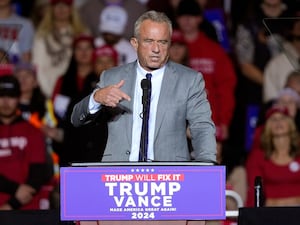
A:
53,53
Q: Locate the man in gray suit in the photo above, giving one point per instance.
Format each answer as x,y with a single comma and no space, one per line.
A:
178,98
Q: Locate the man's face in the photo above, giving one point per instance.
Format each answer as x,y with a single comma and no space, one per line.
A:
8,107
153,44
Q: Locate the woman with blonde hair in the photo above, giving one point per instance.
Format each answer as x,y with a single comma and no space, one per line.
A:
52,47
277,161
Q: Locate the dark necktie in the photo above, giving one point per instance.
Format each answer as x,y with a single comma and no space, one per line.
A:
143,156
149,76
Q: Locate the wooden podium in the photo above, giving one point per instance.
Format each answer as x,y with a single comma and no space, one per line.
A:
142,193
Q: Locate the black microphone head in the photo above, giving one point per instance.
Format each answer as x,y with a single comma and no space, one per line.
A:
258,181
145,84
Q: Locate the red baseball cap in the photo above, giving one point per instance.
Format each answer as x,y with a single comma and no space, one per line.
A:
276,109
106,50
177,37
83,37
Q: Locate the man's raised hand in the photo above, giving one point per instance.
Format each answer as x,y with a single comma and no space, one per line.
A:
111,95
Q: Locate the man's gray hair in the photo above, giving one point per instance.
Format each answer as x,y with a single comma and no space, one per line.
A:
154,16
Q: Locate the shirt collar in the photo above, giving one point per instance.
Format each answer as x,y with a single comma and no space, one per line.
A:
141,70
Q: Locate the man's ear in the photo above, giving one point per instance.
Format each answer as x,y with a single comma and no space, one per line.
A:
134,42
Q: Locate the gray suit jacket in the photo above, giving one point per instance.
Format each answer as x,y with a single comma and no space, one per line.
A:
182,98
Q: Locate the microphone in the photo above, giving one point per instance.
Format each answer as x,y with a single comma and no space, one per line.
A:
146,86
258,194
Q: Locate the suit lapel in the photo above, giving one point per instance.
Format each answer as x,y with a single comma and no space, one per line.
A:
129,88
168,82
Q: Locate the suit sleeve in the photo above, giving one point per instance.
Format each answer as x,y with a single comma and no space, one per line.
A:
81,114
200,123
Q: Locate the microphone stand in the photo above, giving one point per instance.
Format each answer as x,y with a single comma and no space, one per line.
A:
146,86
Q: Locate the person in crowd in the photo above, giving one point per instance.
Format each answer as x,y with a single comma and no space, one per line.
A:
167,7
208,27
209,58
90,13
254,37
105,57
23,166
33,104
241,10
276,161
170,6
290,99
38,11
52,49
287,98
293,81
112,24
253,47
18,33
38,111
279,67
179,49
84,144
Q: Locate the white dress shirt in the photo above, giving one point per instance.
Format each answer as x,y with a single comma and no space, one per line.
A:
156,80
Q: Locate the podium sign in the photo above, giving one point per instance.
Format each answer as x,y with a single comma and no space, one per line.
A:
143,191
